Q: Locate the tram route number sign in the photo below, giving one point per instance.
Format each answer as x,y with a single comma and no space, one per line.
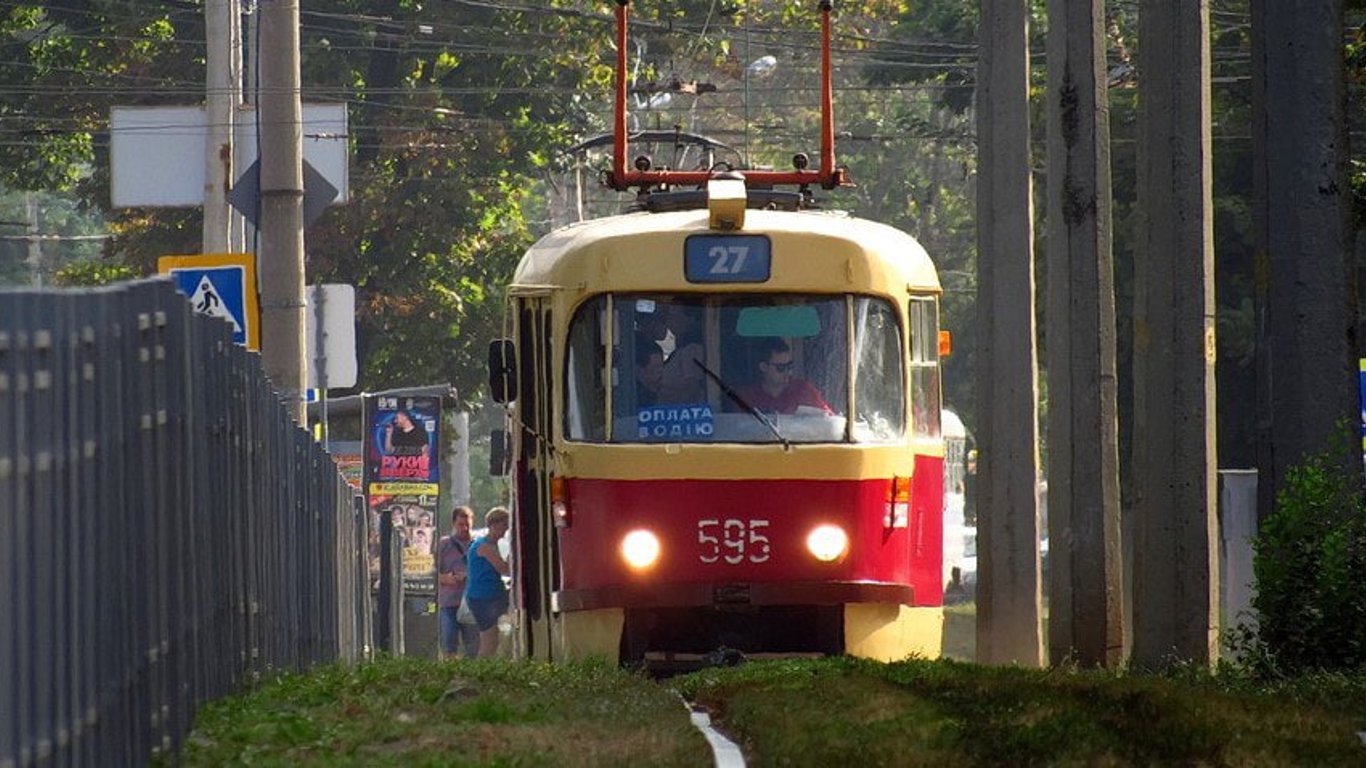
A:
732,541
727,259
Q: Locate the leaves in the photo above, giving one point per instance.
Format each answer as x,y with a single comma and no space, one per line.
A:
1310,564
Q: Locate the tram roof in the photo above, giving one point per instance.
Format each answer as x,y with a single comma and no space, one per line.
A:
644,251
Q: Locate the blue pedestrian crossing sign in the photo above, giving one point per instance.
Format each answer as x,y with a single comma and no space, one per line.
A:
221,285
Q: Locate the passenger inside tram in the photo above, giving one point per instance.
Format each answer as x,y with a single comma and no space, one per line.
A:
649,372
674,328
683,380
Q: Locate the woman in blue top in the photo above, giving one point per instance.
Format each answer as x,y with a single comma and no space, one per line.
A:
484,591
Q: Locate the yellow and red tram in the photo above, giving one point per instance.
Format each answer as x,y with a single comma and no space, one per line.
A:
724,414
659,515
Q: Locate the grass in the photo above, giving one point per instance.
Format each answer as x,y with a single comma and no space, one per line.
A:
410,712
960,631
842,711
931,713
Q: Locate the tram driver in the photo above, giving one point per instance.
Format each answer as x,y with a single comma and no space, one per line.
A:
776,389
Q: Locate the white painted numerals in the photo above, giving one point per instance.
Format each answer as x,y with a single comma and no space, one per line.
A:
728,259
732,541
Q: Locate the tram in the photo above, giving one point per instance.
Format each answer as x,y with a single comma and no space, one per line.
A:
724,413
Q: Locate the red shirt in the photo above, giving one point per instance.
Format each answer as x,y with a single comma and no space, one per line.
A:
798,392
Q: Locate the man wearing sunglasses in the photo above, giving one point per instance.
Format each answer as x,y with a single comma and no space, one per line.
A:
777,389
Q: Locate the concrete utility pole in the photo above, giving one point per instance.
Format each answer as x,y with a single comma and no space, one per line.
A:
1085,577
281,256
1176,535
35,242
1008,594
1306,282
222,93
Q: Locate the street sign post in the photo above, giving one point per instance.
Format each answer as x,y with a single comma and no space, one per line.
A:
221,285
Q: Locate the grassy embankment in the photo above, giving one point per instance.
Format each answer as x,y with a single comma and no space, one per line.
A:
922,713
829,712
409,712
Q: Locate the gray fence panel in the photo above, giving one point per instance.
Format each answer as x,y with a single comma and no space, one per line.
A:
84,484
66,528
31,566
144,518
13,497
165,532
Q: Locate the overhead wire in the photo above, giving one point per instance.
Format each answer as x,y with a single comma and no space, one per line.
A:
366,30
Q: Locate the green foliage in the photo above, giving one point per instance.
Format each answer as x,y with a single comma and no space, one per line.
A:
85,273
451,121
1310,569
70,233
934,43
65,63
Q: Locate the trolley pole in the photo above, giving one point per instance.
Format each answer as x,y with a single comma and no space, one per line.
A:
1174,522
1085,576
1008,594
281,257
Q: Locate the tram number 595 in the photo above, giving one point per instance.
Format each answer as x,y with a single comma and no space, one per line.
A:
733,541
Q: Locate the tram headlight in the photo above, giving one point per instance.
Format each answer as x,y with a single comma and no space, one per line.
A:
827,543
640,549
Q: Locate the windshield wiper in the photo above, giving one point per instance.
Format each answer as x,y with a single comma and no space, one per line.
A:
743,403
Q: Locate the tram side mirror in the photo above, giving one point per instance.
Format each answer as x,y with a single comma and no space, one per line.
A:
500,453
502,370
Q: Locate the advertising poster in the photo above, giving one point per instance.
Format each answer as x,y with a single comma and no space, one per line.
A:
402,480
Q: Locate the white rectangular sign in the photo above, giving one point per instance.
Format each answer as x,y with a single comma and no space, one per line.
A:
335,306
157,154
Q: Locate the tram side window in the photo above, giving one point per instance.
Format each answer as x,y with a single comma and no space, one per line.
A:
925,396
585,361
879,394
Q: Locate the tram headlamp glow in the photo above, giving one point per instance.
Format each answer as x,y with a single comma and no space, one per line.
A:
640,549
827,542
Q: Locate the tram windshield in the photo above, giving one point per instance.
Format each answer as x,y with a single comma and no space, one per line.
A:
736,368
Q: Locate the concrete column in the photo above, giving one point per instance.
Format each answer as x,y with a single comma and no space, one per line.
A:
221,89
458,465
1306,281
1175,577
281,257
1085,577
1008,592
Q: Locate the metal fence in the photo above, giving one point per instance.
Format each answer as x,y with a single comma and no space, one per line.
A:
166,532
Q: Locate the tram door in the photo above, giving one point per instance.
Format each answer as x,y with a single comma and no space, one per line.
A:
535,556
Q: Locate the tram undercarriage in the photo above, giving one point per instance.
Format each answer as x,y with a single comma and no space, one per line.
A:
665,638
677,639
